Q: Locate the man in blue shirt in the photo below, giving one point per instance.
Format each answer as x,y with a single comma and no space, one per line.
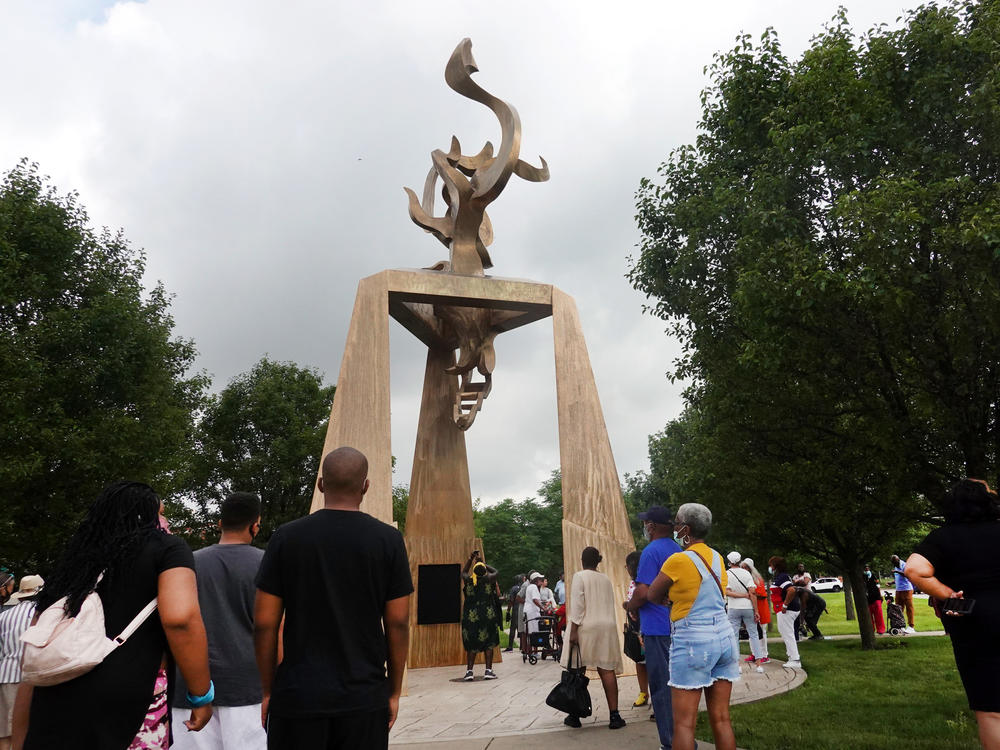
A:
561,590
904,591
654,619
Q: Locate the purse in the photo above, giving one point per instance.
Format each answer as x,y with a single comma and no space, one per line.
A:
633,646
571,695
58,648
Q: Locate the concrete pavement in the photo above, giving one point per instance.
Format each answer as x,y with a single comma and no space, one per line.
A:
442,712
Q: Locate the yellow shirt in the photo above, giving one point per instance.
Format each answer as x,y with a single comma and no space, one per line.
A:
686,577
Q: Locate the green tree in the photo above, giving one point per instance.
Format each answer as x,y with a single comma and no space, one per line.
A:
400,502
829,253
95,386
522,535
263,433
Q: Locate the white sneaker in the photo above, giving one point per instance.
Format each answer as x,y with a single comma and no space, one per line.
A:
759,670
909,630
792,665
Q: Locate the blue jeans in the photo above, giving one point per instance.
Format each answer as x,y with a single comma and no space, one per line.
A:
658,671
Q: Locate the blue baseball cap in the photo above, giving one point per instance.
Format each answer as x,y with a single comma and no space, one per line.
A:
657,514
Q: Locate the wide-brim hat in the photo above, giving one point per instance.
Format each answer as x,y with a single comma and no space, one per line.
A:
29,586
657,514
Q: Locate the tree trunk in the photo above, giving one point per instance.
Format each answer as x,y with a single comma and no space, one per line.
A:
865,627
848,598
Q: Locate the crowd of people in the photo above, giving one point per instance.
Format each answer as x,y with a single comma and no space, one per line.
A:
299,646
304,644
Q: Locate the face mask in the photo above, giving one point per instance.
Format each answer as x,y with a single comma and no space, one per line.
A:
770,570
868,574
645,532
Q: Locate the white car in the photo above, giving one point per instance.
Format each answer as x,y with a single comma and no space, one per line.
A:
826,584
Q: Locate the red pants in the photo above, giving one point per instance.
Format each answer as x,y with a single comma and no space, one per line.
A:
876,609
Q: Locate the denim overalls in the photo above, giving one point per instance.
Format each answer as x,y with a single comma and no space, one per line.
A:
703,647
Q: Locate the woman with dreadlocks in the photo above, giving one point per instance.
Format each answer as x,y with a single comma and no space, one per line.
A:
121,550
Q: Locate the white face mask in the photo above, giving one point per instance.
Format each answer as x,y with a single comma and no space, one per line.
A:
645,531
770,570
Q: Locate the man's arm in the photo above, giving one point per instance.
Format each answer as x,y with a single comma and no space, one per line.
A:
638,598
396,621
790,593
268,610
659,589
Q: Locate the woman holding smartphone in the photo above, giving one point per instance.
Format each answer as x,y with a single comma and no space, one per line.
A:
956,565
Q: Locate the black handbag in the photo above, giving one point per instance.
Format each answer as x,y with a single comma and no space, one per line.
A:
571,695
633,646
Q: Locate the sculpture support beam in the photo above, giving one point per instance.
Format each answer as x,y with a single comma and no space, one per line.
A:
360,414
593,509
439,525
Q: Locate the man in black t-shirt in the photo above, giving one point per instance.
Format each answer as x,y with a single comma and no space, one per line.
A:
341,579
227,573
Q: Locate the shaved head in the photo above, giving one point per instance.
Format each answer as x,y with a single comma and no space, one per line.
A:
344,472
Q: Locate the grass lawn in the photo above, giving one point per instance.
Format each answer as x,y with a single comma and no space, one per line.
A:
836,623
906,694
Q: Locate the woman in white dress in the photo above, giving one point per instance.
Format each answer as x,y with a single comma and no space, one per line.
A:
593,625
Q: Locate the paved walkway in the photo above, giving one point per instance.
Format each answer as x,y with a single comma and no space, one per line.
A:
442,712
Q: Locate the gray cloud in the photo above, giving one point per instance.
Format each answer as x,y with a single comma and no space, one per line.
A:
257,151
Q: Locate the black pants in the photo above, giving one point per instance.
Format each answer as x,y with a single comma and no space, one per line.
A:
513,628
811,617
351,731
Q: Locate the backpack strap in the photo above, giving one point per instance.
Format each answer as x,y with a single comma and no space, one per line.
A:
138,620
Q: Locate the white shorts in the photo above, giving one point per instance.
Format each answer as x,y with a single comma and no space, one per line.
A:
231,728
8,691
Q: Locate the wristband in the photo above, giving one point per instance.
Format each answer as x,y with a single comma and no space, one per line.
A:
196,701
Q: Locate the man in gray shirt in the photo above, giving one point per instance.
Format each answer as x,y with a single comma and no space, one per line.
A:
227,572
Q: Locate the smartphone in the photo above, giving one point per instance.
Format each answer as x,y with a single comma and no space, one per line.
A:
959,606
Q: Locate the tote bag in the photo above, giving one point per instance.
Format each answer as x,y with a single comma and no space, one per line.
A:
571,695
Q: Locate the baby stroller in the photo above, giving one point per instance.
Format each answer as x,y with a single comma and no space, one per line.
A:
897,623
543,642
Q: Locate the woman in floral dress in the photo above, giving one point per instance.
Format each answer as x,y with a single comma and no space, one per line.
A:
479,614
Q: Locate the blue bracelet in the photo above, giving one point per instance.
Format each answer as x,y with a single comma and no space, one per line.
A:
202,700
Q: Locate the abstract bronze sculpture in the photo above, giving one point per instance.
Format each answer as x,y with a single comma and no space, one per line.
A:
455,306
469,185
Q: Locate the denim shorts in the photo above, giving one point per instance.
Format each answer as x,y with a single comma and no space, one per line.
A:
703,650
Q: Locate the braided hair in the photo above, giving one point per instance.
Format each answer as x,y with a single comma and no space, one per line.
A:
123,517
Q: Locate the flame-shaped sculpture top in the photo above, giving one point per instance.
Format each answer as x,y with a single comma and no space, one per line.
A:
471,183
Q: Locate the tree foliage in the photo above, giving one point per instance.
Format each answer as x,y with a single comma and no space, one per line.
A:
519,536
95,386
263,433
828,251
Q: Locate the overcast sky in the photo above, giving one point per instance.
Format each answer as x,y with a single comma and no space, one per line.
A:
257,151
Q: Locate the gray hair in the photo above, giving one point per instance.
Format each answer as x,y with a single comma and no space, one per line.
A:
696,517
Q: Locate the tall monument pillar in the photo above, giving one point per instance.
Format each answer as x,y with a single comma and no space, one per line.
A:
453,306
